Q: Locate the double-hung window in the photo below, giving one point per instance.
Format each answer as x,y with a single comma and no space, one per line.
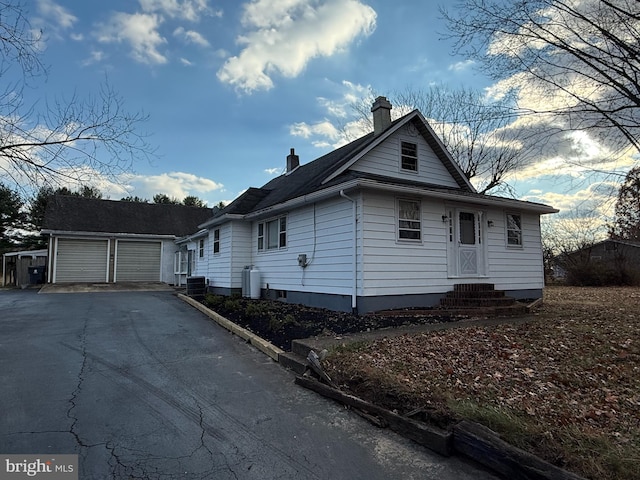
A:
272,234
514,230
409,223
201,248
216,240
409,156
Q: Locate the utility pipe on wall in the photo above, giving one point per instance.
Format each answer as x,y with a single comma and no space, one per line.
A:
354,292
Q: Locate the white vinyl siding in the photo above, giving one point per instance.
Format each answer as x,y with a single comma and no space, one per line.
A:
385,159
79,260
515,268
138,261
330,257
397,268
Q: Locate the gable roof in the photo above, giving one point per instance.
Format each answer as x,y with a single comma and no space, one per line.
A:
79,214
333,168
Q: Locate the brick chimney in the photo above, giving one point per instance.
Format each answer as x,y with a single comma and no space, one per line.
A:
381,115
293,161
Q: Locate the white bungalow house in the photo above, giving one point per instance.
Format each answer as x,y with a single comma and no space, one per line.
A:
386,221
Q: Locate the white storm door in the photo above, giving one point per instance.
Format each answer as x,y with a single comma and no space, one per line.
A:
470,253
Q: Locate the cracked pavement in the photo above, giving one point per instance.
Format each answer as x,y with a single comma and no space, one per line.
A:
141,385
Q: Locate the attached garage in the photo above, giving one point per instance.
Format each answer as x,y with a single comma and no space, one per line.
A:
79,260
138,261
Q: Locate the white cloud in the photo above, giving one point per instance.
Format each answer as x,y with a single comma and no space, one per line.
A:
173,184
274,171
461,66
186,62
95,57
140,30
284,35
191,10
191,36
56,14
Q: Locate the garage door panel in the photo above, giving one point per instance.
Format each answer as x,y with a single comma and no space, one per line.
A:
138,261
81,260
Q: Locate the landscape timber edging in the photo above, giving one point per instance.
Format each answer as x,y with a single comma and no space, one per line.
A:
468,438
258,342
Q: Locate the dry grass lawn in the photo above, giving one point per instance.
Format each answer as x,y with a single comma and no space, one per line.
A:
565,386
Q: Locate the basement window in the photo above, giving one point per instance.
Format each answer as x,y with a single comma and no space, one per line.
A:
409,156
272,235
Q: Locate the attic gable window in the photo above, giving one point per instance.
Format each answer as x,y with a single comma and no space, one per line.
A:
409,224
272,234
409,156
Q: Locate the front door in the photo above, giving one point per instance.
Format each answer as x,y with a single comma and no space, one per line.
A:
470,248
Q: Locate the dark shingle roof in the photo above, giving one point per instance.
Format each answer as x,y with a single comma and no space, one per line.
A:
79,214
309,178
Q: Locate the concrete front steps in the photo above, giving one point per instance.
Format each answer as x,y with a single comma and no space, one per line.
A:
479,299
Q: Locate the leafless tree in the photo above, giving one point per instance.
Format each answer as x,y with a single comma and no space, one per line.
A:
473,128
63,140
582,58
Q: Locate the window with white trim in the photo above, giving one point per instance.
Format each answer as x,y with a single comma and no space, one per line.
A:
201,248
409,156
409,223
272,234
514,230
216,240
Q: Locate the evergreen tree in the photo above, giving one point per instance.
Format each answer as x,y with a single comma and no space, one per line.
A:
627,220
11,219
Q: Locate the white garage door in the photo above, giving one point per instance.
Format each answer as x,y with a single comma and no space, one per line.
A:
138,261
81,260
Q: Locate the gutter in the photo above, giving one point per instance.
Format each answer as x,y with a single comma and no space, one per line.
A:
402,189
67,233
354,292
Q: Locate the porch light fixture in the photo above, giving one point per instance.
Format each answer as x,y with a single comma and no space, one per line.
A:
445,218
490,223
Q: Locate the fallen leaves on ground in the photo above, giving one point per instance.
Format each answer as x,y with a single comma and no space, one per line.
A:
574,368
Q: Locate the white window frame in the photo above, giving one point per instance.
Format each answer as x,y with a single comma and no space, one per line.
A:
513,233
201,248
411,157
408,227
266,236
216,241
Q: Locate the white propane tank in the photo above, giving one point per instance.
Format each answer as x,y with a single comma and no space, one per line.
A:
254,276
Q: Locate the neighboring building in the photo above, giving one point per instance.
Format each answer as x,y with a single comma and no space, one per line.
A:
610,254
386,221
98,241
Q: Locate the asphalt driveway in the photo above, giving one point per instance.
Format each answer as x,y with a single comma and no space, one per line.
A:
141,385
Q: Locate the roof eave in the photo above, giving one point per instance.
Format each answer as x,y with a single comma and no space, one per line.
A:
75,233
220,220
452,196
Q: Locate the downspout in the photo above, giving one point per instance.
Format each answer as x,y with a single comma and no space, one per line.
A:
354,292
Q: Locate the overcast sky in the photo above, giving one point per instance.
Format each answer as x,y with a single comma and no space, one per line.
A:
231,86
